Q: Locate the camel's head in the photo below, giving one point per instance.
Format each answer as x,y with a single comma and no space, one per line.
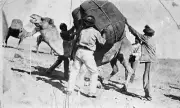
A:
36,19
39,21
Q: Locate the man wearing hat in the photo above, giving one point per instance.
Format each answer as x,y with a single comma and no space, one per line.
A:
84,55
148,55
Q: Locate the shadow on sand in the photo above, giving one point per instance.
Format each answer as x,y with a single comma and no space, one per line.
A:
52,79
12,47
55,80
172,97
113,86
40,52
174,87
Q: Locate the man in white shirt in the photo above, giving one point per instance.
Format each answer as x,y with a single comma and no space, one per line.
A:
84,55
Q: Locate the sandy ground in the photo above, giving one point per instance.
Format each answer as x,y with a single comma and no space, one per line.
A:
31,88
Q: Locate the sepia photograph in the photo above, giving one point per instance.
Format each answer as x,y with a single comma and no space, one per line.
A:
90,54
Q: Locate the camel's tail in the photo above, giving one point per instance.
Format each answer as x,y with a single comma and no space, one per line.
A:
5,25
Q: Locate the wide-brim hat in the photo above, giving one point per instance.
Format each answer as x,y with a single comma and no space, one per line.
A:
148,31
89,20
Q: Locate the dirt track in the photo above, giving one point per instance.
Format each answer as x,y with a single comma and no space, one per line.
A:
31,88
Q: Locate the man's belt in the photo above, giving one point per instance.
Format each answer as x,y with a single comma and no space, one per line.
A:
83,47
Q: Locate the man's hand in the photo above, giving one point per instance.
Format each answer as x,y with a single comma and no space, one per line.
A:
126,22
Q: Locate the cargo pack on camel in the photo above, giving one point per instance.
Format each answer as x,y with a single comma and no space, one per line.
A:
108,18
15,30
111,22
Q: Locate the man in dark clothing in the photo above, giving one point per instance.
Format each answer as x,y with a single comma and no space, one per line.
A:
148,55
67,36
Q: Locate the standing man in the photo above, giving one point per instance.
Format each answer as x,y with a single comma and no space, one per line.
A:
67,36
148,55
84,55
134,58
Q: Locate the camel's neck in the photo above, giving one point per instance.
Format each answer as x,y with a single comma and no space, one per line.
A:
27,34
50,26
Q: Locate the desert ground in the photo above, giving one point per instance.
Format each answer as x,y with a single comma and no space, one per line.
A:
30,87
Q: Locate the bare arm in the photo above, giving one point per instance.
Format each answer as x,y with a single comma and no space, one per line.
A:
100,38
72,34
135,33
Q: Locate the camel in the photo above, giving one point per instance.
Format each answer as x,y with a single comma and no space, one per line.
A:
38,28
17,30
48,31
39,40
120,50
112,25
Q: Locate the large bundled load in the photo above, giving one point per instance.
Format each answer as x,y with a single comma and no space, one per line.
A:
16,24
109,20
